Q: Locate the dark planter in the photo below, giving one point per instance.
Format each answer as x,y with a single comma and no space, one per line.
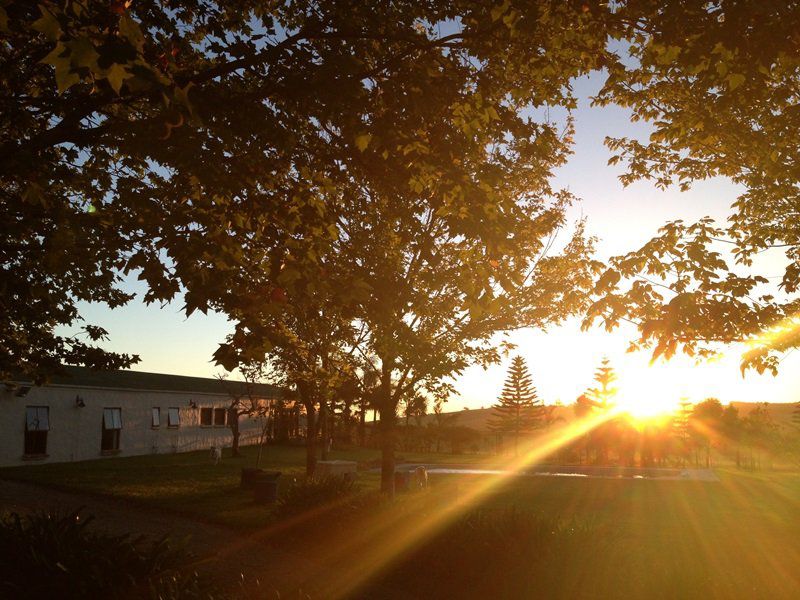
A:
265,487
401,480
249,476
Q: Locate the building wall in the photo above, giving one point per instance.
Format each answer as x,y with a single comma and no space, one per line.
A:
75,432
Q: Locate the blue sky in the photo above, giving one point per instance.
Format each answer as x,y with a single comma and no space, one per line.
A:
561,360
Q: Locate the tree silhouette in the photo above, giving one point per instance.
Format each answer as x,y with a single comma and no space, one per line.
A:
706,425
518,410
709,85
681,429
604,393
601,398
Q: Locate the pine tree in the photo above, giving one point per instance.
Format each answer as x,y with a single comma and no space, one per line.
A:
518,409
599,398
605,377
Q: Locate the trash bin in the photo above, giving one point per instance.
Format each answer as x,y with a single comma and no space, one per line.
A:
401,481
249,476
265,487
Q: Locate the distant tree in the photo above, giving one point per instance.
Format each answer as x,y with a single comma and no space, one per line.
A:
245,401
368,381
760,434
462,437
605,376
549,416
518,410
414,405
705,424
601,398
681,429
344,402
583,407
732,430
442,422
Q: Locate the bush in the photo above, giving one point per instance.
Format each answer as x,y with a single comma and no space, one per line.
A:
54,556
309,494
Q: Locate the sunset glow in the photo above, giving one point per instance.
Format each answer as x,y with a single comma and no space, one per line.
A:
642,400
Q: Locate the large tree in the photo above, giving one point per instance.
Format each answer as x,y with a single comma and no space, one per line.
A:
170,143
435,179
518,410
165,143
718,82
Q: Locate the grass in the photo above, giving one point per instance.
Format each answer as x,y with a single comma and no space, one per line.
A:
190,484
649,539
737,538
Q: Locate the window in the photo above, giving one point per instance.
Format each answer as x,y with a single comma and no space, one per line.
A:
219,417
173,417
206,416
112,425
155,420
37,424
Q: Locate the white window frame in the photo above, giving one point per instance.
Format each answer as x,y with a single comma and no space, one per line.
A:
34,421
37,423
114,415
111,429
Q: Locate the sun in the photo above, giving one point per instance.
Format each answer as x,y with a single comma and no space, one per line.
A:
647,393
645,408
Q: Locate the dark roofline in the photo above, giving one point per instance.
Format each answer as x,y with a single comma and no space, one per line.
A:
140,380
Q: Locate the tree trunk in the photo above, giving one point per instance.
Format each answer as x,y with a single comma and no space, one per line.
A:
387,452
388,409
362,426
311,437
233,423
324,427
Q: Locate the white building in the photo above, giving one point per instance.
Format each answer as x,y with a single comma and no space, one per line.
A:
92,414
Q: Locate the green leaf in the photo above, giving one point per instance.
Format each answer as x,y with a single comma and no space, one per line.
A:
83,53
735,80
65,78
116,75
498,11
130,30
57,55
47,24
363,140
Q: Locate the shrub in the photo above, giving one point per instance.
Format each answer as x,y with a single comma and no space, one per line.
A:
309,494
54,556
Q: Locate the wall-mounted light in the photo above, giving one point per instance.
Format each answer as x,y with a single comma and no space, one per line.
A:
192,404
79,403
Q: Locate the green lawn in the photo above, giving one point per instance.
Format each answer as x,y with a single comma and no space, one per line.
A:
737,538
190,484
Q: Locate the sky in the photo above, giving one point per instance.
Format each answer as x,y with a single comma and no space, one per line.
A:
563,359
